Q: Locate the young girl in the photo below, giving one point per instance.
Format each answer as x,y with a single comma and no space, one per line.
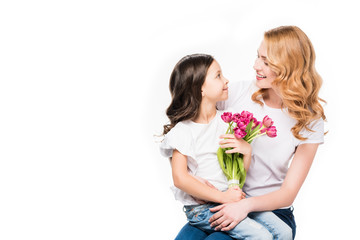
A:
191,142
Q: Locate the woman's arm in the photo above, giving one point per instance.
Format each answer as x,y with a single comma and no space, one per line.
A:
229,215
189,184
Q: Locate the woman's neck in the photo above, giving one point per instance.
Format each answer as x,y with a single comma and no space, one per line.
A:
207,113
272,99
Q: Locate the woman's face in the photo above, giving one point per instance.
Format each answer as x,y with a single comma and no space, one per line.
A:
264,75
215,87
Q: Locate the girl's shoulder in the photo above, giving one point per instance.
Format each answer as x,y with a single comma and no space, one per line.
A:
181,129
179,138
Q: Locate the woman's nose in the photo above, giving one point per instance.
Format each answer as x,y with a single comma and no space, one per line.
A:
256,64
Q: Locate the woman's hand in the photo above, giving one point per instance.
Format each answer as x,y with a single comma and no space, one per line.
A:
237,145
228,215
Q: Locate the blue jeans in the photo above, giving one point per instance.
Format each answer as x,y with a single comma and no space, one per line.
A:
189,232
288,217
275,226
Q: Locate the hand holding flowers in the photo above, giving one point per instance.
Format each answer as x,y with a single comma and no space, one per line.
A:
243,129
235,145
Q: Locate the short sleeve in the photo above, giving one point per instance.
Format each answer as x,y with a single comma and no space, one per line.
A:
317,133
180,138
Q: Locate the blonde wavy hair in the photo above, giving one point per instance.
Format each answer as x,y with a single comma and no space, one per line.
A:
291,56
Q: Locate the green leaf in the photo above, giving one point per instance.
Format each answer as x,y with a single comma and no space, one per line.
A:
220,155
252,134
248,127
228,164
242,171
224,162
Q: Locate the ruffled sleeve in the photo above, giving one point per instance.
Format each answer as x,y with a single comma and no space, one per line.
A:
180,138
317,133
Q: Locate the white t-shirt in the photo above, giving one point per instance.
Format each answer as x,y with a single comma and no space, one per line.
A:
199,142
270,156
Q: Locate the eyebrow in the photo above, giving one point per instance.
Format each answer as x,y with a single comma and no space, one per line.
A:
261,55
217,72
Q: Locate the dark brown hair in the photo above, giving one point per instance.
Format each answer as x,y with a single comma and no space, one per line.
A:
185,85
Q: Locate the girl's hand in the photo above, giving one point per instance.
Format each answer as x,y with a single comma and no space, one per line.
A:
233,194
228,215
237,145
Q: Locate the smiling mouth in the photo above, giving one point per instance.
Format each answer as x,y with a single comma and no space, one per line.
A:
260,76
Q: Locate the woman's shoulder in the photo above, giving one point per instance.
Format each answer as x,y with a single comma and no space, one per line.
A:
314,132
241,87
238,91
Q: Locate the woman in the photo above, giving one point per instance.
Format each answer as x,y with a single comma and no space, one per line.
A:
286,89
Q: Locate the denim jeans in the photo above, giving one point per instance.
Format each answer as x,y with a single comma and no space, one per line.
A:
189,232
279,223
288,217
262,225
277,227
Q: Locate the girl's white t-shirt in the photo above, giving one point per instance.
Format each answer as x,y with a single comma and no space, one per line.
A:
199,142
270,156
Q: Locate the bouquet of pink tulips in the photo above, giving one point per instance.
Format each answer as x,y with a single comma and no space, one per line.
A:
244,126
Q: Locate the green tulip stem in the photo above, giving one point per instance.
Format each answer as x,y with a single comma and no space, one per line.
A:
252,138
229,128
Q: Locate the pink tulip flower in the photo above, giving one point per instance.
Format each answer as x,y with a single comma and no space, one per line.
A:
236,117
271,132
268,122
245,120
241,125
239,133
256,123
226,117
246,114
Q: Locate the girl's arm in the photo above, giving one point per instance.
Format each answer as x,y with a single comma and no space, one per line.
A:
229,215
189,184
237,145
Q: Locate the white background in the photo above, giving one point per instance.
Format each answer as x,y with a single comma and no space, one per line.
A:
84,87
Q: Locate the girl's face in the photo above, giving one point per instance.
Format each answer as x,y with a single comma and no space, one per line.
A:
264,75
215,87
